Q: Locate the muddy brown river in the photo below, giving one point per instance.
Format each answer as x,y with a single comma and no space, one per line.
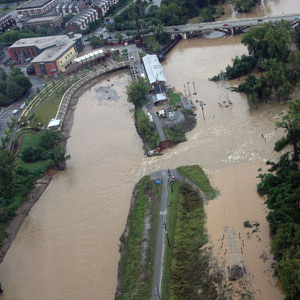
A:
67,248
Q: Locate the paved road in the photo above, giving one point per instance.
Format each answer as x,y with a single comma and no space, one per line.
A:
248,22
160,241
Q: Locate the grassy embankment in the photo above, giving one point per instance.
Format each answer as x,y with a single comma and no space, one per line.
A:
135,268
146,129
187,267
45,105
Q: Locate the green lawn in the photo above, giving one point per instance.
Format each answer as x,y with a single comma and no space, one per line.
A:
29,140
39,166
198,177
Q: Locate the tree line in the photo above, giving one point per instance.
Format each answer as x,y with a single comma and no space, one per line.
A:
281,186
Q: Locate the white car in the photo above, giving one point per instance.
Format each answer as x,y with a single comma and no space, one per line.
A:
150,117
22,105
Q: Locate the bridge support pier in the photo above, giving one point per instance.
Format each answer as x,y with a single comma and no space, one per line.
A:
184,35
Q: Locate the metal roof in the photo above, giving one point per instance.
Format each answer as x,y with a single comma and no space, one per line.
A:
154,69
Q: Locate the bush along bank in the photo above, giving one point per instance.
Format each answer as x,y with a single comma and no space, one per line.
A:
35,155
137,243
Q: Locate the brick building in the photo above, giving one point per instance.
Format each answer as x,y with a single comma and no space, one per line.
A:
81,20
51,21
51,55
35,7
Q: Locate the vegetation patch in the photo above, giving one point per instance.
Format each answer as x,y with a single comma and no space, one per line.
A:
199,178
175,98
273,59
18,174
175,133
146,129
135,268
191,273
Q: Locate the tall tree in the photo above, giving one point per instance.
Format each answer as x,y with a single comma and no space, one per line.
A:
137,92
6,174
288,271
291,124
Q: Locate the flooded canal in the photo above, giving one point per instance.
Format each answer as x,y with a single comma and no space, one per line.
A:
67,247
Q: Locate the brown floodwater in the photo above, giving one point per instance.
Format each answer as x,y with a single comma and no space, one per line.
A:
67,248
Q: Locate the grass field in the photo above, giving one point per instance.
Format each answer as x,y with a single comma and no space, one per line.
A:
133,285
198,177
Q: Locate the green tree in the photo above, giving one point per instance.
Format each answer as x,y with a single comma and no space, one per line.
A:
6,174
288,271
291,124
2,86
293,68
137,91
49,139
2,98
23,81
110,27
13,90
271,40
276,77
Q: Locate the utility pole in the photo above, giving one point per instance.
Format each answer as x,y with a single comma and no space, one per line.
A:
202,107
188,84
194,88
166,231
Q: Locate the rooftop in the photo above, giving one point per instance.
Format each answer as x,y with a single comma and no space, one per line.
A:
81,15
45,41
41,19
153,69
33,4
57,50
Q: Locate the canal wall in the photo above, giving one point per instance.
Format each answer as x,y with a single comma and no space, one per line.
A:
90,80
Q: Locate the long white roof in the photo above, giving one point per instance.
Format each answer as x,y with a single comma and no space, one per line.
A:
153,69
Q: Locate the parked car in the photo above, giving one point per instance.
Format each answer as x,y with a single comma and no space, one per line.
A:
260,20
150,117
225,24
176,29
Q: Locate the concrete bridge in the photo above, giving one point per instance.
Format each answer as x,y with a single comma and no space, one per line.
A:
228,27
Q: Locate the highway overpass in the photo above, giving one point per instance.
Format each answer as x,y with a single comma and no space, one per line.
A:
228,27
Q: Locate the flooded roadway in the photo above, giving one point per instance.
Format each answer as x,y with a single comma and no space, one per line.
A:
67,247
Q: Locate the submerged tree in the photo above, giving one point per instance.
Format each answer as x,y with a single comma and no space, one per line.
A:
291,124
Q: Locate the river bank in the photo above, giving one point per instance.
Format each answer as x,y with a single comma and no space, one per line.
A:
68,244
42,183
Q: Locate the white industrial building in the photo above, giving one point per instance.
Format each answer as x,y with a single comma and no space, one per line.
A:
154,69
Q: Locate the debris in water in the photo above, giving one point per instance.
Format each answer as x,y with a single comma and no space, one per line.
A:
236,272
